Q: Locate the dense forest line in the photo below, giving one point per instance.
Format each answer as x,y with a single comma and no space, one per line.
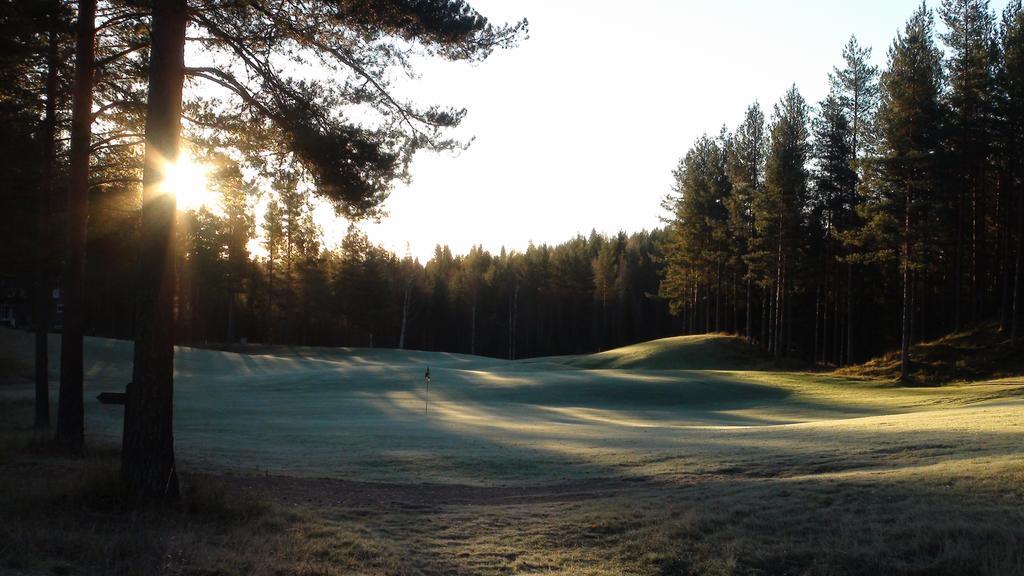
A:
587,294
891,209
890,213
248,274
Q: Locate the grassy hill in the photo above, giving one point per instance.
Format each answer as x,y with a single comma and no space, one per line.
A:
981,353
701,352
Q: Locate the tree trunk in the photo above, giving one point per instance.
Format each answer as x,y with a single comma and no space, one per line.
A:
749,314
472,330
849,314
837,329
232,331
824,327
43,289
270,294
765,307
513,309
147,459
286,313
718,298
905,339
405,316
779,301
71,410
958,263
1017,288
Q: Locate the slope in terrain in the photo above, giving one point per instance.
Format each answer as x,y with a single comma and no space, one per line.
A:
701,352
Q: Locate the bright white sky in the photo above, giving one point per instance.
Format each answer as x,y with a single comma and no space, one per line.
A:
581,126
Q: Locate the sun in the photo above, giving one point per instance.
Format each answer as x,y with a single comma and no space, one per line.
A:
189,181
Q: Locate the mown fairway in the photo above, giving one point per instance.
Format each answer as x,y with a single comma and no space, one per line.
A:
675,456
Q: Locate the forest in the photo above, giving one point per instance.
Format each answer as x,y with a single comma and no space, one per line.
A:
888,213
892,212
809,363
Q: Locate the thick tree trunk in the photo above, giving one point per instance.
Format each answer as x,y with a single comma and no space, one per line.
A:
147,460
43,289
70,413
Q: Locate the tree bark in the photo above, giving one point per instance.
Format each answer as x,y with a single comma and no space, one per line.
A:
905,337
270,294
849,314
749,314
779,301
472,330
1017,288
405,316
43,289
147,460
71,410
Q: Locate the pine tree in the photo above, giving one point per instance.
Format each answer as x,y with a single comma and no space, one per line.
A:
834,184
970,28
778,210
351,164
856,88
1012,136
698,245
910,129
71,411
745,165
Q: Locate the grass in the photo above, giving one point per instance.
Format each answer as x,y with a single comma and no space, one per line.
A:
702,352
539,467
981,353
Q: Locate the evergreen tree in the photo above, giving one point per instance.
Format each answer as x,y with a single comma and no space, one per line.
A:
745,165
699,235
779,209
910,148
970,29
1011,114
834,184
71,411
855,86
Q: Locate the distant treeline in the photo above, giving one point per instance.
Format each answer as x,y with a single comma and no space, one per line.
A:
892,212
587,294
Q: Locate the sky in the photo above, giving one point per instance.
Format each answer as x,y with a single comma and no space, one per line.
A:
580,126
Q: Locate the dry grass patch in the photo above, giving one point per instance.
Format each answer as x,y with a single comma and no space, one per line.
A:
981,353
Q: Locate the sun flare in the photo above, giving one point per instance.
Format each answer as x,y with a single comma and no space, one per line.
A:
189,181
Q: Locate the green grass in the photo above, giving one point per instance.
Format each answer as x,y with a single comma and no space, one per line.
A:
703,352
631,465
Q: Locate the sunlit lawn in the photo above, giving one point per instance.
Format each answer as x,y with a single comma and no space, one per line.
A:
535,467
